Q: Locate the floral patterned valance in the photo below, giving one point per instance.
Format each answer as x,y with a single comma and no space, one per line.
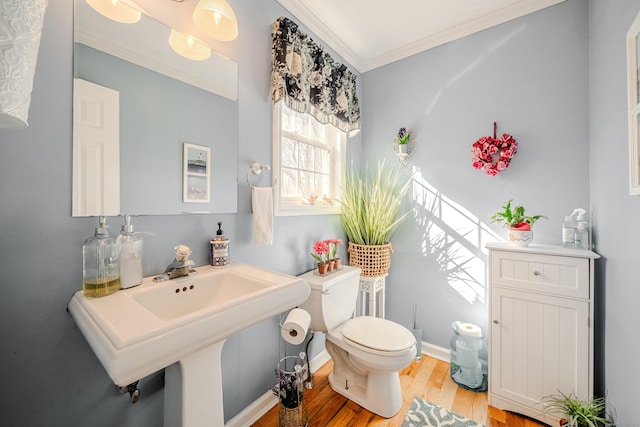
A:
309,81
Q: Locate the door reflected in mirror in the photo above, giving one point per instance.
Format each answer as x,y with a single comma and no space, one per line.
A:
164,101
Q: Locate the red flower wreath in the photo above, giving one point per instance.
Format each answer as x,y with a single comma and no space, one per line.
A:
493,155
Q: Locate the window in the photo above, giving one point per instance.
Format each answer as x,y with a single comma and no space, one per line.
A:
308,160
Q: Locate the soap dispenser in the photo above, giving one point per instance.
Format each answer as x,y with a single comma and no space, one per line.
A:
582,231
130,255
219,249
100,269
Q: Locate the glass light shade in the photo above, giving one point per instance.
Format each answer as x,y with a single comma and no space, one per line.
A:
217,19
20,28
188,46
118,10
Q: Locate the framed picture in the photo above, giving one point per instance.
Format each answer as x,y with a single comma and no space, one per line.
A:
196,174
633,87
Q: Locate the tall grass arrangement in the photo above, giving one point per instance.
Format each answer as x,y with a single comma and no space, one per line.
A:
370,203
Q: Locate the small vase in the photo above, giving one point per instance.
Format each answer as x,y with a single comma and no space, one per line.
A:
331,265
338,264
322,268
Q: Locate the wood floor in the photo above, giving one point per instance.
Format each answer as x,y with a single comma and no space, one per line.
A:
428,378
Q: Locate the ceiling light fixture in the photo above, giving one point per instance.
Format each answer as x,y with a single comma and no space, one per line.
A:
217,19
188,46
124,11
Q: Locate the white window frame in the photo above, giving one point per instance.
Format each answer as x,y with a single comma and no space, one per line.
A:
287,206
633,85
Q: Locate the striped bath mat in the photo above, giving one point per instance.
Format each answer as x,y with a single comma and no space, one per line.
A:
423,414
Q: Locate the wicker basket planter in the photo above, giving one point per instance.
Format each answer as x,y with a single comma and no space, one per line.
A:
373,260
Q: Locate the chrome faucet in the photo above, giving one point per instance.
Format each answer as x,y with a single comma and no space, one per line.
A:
180,266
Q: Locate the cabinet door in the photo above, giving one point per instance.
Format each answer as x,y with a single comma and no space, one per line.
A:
539,345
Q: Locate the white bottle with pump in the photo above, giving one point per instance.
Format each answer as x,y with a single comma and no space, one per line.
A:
569,227
130,255
581,240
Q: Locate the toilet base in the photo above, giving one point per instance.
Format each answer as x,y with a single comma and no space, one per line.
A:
375,390
385,400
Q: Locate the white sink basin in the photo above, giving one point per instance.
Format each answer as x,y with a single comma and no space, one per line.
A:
140,330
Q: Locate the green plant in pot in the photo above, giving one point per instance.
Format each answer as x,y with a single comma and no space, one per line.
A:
577,412
519,225
371,202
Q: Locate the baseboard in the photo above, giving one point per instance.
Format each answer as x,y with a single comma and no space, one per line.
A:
436,352
264,403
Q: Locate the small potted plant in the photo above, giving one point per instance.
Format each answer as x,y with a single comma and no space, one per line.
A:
403,144
321,250
518,224
577,412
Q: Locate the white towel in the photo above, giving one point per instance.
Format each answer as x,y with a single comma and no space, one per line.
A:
262,203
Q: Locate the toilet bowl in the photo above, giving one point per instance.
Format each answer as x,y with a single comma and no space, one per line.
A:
367,352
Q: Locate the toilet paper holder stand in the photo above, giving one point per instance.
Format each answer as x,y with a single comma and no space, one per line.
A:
308,383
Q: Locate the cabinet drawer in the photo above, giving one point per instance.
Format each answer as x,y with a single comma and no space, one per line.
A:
556,275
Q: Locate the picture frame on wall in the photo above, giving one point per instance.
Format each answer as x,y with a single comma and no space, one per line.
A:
196,178
633,87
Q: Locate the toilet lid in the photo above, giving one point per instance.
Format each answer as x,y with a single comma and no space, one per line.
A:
378,334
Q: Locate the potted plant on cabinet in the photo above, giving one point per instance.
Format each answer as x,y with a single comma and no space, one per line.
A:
370,205
577,412
518,224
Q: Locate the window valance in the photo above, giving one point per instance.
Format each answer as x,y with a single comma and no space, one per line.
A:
304,75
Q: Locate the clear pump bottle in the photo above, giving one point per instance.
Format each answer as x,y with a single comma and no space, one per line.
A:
100,269
130,255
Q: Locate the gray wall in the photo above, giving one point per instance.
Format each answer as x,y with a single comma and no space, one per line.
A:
49,375
531,76
614,211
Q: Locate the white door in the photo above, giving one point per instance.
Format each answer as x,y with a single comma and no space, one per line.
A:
539,345
96,150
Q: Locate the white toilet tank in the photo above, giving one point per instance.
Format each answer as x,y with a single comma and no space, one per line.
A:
333,297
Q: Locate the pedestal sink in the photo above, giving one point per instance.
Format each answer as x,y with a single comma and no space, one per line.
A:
181,325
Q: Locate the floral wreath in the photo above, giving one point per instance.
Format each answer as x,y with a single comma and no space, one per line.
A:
486,148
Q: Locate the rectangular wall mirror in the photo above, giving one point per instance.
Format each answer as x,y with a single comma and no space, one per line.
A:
162,101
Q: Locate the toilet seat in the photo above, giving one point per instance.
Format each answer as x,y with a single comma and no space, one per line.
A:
376,335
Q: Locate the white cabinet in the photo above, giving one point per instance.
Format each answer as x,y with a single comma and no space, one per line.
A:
541,329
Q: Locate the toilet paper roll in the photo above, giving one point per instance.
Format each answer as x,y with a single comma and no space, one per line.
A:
295,326
469,329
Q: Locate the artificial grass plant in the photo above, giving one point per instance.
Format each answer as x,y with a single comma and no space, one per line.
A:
370,203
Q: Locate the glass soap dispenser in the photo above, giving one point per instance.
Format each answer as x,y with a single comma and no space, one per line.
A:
100,269
130,255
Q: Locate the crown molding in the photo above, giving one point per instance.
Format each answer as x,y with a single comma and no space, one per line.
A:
362,65
318,27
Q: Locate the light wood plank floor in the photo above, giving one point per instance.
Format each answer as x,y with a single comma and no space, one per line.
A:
428,378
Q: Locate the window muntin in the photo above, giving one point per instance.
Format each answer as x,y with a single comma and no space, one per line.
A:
308,159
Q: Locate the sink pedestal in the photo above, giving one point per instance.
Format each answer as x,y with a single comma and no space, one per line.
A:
193,389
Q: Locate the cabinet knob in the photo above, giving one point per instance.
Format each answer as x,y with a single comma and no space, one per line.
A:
495,321
536,273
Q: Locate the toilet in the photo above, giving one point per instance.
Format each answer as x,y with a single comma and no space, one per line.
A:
367,351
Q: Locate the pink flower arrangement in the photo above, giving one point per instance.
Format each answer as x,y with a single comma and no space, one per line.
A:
486,147
333,247
321,249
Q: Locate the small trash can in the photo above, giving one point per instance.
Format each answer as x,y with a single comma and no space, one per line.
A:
469,357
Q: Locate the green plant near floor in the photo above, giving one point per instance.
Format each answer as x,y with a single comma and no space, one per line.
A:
577,412
370,202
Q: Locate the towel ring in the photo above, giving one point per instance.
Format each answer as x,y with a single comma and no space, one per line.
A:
256,168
